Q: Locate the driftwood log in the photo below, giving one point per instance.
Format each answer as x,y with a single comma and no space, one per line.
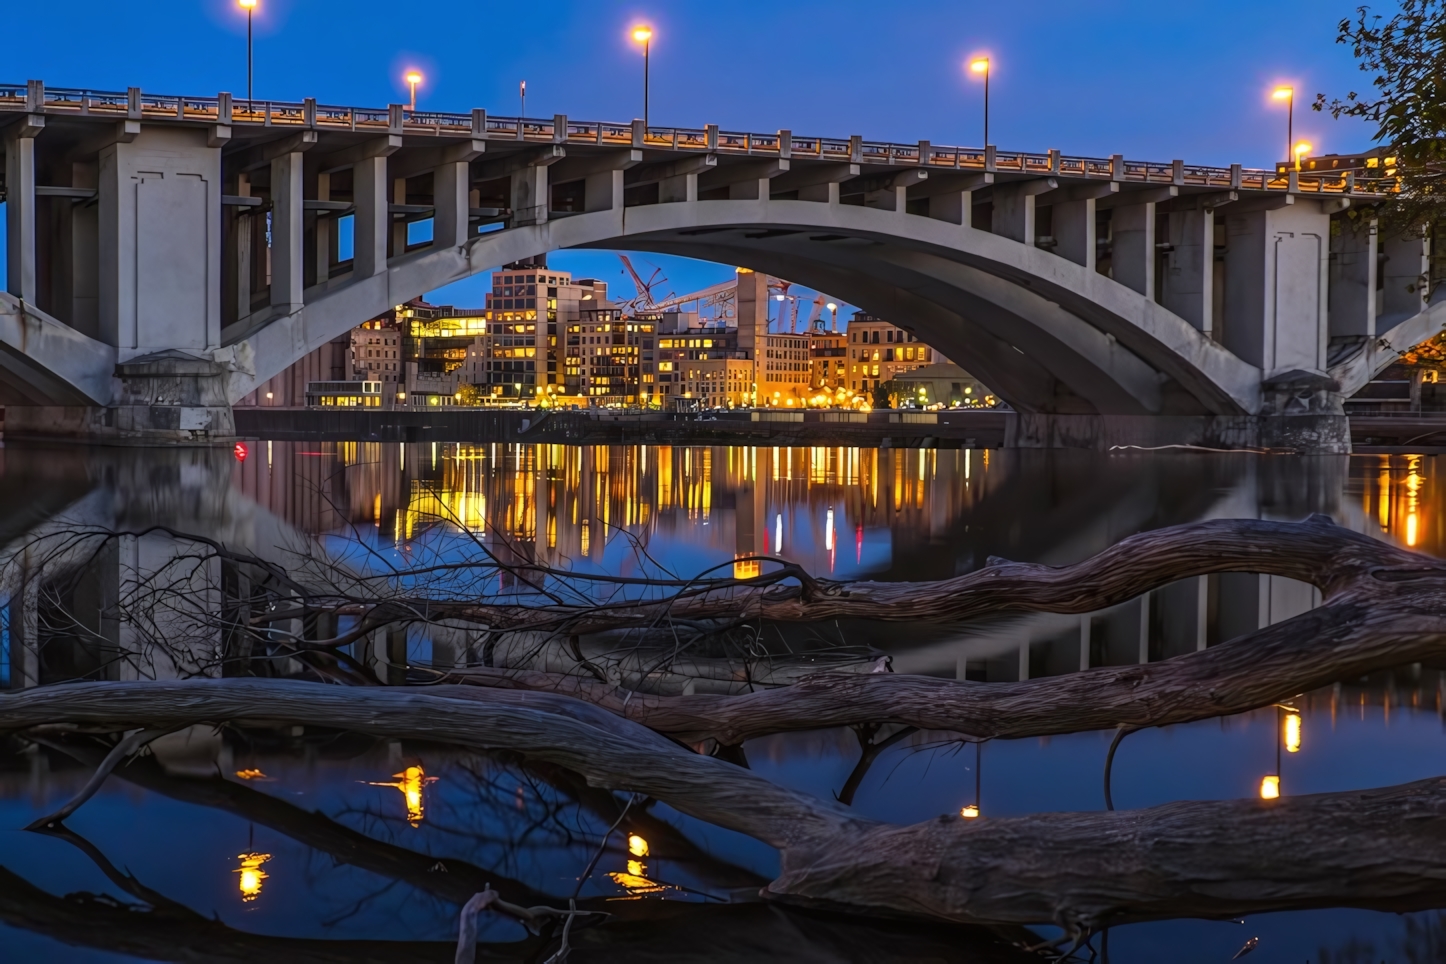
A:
1381,607
1379,848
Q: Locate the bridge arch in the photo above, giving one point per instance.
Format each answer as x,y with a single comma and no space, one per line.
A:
1047,334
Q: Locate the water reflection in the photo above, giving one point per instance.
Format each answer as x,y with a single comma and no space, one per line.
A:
251,875
410,782
360,858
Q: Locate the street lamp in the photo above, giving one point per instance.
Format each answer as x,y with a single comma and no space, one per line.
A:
413,78
980,65
1287,94
1301,150
644,36
248,6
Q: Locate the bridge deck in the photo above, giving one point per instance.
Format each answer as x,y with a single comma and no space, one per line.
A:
272,116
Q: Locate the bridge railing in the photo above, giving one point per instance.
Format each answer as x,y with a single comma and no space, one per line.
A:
135,104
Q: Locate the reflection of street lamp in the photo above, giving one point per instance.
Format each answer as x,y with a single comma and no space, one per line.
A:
980,65
414,77
248,6
250,874
1287,94
644,36
971,811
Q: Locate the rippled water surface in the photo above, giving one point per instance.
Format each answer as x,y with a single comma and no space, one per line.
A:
296,844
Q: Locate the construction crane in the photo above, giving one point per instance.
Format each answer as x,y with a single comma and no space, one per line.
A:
817,311
643,300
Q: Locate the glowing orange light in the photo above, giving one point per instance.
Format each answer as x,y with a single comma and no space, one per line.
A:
250,774
1270,788
980,65
969,812
251,874
637,846
1283,93
642,34
1292,732
247,4
410,782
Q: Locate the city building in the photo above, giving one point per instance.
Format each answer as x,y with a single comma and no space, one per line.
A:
529,312
785,370
610,357
344,394
879,351
374,356
829,353
943,383
545,338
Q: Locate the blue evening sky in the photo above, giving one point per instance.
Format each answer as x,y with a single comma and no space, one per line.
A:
1149,80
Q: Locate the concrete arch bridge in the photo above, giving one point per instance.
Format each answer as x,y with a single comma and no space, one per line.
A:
169,254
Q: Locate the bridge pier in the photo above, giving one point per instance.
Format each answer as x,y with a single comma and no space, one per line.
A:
1303,434
165,397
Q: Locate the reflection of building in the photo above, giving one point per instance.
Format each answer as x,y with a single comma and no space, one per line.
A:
880,352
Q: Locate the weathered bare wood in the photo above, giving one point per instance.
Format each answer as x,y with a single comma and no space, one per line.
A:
607,750
1383,607
1378,848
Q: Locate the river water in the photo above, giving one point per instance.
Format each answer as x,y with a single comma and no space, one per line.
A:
318,846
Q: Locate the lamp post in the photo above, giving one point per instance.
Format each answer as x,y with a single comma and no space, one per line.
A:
644,36
1287,94
522,95
413,78
1301,150
980,65
248,6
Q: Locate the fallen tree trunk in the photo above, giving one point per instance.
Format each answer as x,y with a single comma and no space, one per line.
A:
1315,551
1379,848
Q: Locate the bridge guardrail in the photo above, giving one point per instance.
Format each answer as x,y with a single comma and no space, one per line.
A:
135,104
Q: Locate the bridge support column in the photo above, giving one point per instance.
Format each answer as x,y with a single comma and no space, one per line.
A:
529,195
603,191
1190,272
20,215
369,193
1075,232
450,198
680,187
1132,255
1404,284
288,243
1353,281
1014,208
1276,271
324,236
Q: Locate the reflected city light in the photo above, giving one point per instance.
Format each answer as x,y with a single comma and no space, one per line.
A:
969,812
1292,732
410,782
251,774
635,880
1270,788
251,875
